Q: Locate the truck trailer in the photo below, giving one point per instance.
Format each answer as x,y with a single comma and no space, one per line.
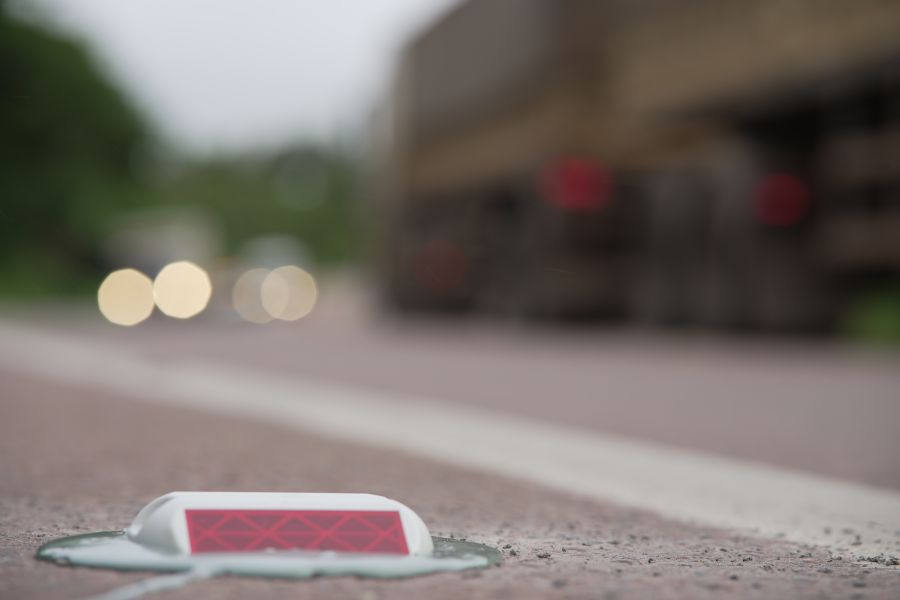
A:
718,162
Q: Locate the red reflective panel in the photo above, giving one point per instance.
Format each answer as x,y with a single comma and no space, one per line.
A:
782,199
577,185
257,530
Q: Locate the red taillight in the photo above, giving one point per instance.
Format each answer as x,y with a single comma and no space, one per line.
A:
577,185
258,530
782,199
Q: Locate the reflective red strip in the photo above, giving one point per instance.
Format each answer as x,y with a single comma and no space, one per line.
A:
782,199
258,530
577,184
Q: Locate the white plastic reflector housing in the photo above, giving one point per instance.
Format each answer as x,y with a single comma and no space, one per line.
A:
203,522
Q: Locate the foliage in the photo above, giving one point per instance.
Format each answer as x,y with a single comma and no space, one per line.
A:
876,316
68,141
304,192
75,157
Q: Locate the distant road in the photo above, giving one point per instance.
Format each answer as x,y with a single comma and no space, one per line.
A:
820,407
686,485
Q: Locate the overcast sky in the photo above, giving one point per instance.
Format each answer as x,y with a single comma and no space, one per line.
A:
236,74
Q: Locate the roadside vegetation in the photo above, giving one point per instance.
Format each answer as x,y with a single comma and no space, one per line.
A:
76,158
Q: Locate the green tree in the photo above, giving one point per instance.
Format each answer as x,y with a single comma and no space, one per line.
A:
69,142
305,192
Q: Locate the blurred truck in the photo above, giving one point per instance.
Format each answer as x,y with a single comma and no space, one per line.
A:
720,162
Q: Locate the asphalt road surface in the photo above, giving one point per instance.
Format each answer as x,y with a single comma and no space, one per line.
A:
83,452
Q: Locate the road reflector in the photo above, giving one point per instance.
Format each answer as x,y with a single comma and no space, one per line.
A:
216,522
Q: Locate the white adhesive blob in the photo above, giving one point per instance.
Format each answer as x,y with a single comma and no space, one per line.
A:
114,550
160,539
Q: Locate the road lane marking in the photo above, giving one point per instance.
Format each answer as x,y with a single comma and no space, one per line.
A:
680,484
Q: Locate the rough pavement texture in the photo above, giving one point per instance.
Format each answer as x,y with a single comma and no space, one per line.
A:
77,460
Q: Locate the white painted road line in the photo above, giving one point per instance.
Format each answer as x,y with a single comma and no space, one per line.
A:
675,483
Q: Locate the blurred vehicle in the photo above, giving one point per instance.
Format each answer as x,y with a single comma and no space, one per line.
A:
719,162
150,239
